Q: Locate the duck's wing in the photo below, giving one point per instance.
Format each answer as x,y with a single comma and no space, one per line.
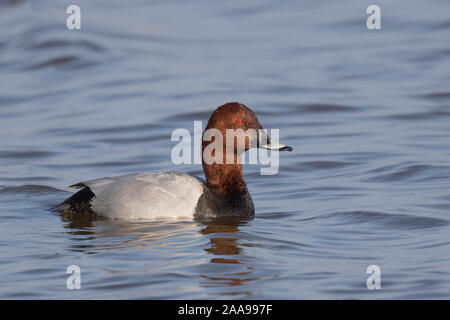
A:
139,196
96,183
80,202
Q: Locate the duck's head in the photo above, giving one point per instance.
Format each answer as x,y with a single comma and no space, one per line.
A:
232,129
238,123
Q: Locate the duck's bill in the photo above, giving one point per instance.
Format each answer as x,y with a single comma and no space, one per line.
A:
265,142
278,147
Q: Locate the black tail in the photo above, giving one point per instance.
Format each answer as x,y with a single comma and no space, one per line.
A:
79,202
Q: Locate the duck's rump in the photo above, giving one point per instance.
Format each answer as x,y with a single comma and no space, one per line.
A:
80,202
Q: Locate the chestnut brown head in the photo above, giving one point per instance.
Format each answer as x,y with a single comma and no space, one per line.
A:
237,122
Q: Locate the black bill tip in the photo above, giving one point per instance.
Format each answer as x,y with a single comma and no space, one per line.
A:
286,148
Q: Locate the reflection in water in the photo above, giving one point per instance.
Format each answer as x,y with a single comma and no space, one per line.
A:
102,234
92,235
222,243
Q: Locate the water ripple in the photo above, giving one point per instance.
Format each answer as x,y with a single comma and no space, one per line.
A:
396,221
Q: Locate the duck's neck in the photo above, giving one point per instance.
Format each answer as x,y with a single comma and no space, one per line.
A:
225,179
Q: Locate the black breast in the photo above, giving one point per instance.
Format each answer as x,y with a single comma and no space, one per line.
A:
213,204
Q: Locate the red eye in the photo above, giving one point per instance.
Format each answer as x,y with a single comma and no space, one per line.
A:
239,121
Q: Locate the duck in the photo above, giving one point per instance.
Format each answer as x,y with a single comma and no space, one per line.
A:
143,196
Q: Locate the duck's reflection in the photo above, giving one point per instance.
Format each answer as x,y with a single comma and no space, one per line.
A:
93,235
224,243
221,242
226,268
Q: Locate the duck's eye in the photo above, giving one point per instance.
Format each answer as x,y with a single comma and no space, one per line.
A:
239,121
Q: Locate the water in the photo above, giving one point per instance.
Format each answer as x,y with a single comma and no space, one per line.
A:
367,112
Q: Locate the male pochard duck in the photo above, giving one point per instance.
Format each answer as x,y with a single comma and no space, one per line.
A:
179,195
